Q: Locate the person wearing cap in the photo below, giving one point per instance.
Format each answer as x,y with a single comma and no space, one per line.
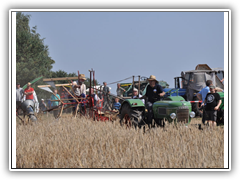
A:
19,96
154,93
42,105
136,95
212,103
106,92
28,92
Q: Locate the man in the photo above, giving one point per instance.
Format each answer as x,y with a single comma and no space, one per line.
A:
19,96
154,93
120,90
28,92
79,87
95,97
212,103
55,103
135,95
106,93
202,95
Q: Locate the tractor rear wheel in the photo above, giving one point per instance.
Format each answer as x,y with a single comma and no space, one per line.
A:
130,117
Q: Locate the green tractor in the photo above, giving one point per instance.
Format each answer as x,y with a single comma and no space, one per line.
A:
172,108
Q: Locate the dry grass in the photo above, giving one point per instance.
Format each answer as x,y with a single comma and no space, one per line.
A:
83,143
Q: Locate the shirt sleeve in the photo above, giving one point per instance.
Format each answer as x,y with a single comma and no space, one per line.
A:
160,89
147,91
217,97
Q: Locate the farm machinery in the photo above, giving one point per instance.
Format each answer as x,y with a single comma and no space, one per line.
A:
84,106
173,108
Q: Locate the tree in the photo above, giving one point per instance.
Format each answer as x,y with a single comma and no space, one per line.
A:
32,56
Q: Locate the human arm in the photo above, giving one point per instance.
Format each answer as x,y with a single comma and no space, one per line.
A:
219,103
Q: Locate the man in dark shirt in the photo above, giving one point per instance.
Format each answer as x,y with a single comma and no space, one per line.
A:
154,93
106,100
212,103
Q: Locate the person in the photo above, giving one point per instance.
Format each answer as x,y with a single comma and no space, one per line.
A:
106,92
120,90
116,104
42,105
28,92
95,97
154,93
55,103
213,103
19,96
135,95
202,95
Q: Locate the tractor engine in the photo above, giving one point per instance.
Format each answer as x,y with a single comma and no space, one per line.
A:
28,109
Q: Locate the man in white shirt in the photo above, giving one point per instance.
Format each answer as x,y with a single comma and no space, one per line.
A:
135,95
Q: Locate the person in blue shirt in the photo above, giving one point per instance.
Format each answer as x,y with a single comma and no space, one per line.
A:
202,95
116,104
55,103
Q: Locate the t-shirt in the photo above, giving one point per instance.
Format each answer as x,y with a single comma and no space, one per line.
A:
55,103
211,101
153,93
204,92
117,105
29,96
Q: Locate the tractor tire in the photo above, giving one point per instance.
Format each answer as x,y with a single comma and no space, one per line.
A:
130,117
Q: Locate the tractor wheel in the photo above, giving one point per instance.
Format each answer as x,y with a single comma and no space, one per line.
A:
130,117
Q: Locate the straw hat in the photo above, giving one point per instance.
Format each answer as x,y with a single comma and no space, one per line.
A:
29,84
151,78
82,76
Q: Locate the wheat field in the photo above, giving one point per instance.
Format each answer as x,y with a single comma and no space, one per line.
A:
84,143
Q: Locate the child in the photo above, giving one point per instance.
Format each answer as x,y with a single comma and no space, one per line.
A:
116,104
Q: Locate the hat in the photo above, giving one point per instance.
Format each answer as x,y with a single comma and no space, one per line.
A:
135,89
42,99
29,84
81,76
212,87
151,78
18,83
74,83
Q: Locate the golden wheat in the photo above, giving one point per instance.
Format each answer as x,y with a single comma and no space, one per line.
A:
83,143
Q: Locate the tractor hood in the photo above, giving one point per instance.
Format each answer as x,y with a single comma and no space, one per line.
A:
171,104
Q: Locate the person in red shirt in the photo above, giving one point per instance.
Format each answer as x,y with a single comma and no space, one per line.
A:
29,92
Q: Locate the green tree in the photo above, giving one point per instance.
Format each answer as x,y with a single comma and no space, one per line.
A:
32,56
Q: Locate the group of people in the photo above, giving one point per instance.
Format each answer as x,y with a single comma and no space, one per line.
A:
210,99
210,102
26,94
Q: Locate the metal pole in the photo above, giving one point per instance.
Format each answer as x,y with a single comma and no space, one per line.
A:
132,85
138,85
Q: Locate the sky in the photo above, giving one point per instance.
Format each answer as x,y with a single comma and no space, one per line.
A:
118,45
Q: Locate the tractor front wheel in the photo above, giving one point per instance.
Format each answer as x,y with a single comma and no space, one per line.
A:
130,117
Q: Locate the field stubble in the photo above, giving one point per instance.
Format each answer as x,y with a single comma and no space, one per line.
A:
83,143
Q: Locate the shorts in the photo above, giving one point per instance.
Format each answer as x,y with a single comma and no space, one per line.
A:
211,115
